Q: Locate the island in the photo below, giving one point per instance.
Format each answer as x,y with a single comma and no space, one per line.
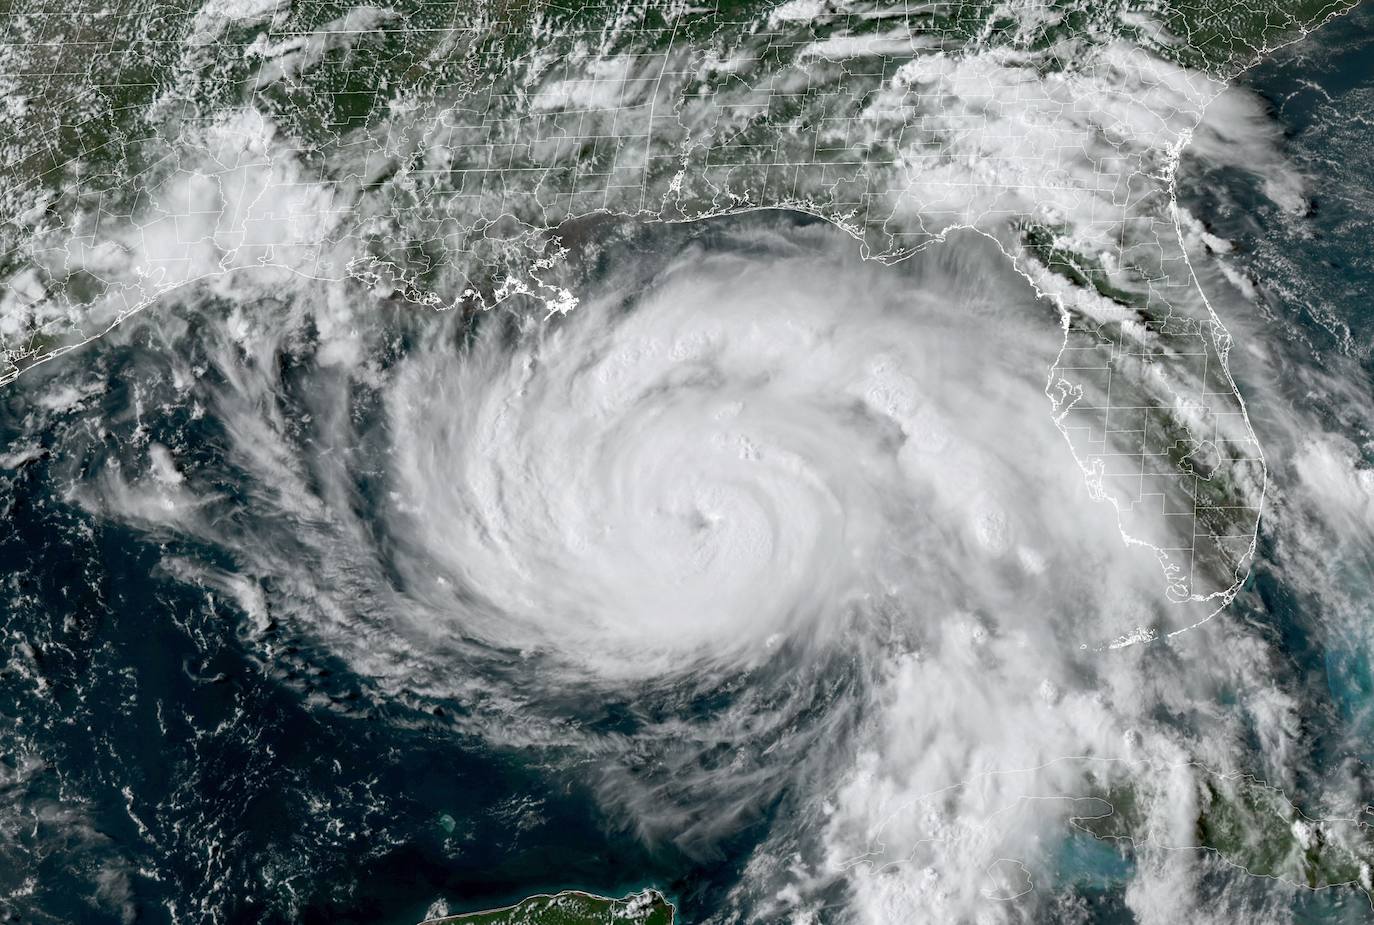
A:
572,907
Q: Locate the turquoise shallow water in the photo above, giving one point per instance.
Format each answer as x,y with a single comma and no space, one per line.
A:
1093,862
180,774
1314,272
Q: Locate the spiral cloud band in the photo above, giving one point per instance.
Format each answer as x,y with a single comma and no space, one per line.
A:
835,462
740,456
759,521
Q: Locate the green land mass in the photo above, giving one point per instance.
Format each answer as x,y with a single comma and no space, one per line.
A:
573,907
1251,825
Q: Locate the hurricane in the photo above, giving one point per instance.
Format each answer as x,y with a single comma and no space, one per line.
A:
760,523
835,464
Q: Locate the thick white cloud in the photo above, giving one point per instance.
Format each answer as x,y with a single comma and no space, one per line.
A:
821,491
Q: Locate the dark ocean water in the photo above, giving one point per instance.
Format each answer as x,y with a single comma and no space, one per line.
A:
1313,273
168,766
1312,270
155,766
1315,267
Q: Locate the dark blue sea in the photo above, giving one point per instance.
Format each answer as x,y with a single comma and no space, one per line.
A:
156,767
